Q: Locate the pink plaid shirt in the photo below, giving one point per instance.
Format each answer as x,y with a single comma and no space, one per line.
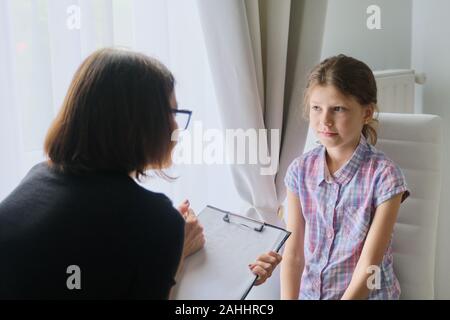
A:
338,213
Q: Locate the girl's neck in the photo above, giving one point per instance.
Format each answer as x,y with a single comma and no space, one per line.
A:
337,157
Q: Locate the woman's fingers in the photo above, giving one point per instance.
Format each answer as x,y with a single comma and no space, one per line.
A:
192,227
200,240
194,238
184,207
191,213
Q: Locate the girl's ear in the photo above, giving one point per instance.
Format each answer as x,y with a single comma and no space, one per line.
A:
368,112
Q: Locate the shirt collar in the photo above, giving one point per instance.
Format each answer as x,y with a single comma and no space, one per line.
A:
348,170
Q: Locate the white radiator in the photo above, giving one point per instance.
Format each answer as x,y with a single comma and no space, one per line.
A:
396,90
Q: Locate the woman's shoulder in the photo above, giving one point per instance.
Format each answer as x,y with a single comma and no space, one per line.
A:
156,202
149,197
35,179
39,169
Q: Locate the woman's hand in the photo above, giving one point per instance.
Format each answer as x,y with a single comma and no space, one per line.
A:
183,208
264,266
194,239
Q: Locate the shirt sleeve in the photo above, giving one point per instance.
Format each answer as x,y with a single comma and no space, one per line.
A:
390,183
291,180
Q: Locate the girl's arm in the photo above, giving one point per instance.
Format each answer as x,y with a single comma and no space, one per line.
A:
374,248
293,257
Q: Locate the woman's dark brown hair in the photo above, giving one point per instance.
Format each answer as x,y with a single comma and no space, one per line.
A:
116,116
352,78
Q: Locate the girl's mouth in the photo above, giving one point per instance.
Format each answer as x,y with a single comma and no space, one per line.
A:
328,134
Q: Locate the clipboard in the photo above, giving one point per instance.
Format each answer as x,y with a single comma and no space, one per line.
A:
220,270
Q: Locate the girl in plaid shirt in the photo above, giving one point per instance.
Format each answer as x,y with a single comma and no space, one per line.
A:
344,195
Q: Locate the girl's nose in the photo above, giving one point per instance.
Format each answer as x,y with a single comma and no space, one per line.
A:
326,120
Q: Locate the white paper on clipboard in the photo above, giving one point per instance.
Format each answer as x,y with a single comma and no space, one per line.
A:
220,270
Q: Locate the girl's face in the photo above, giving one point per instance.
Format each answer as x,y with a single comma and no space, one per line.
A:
336,119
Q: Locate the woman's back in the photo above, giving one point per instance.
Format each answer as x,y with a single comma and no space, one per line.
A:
127,241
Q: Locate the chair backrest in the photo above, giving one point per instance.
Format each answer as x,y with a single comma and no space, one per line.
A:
414,142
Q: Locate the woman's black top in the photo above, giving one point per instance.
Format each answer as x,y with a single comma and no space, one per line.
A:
87,236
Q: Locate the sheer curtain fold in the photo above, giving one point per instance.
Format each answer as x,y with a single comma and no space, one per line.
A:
239,91
259,64
9,167
64,47
147,14
75,29
307,23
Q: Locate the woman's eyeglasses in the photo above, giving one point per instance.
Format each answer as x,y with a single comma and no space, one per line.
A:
182,118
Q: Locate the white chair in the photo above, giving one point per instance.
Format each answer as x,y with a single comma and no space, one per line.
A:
414,142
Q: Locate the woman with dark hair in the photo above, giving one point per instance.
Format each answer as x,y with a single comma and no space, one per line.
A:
78,225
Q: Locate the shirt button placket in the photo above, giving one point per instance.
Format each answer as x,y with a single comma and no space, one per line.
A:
329,231
330,234
317,288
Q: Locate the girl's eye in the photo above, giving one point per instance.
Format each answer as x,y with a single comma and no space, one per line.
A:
315,108
339,109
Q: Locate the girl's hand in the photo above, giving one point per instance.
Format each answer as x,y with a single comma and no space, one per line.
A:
264,266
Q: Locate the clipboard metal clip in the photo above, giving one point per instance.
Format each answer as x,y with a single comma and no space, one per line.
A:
226,218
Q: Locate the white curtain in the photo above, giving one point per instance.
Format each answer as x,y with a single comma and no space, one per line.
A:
260,52
42,42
